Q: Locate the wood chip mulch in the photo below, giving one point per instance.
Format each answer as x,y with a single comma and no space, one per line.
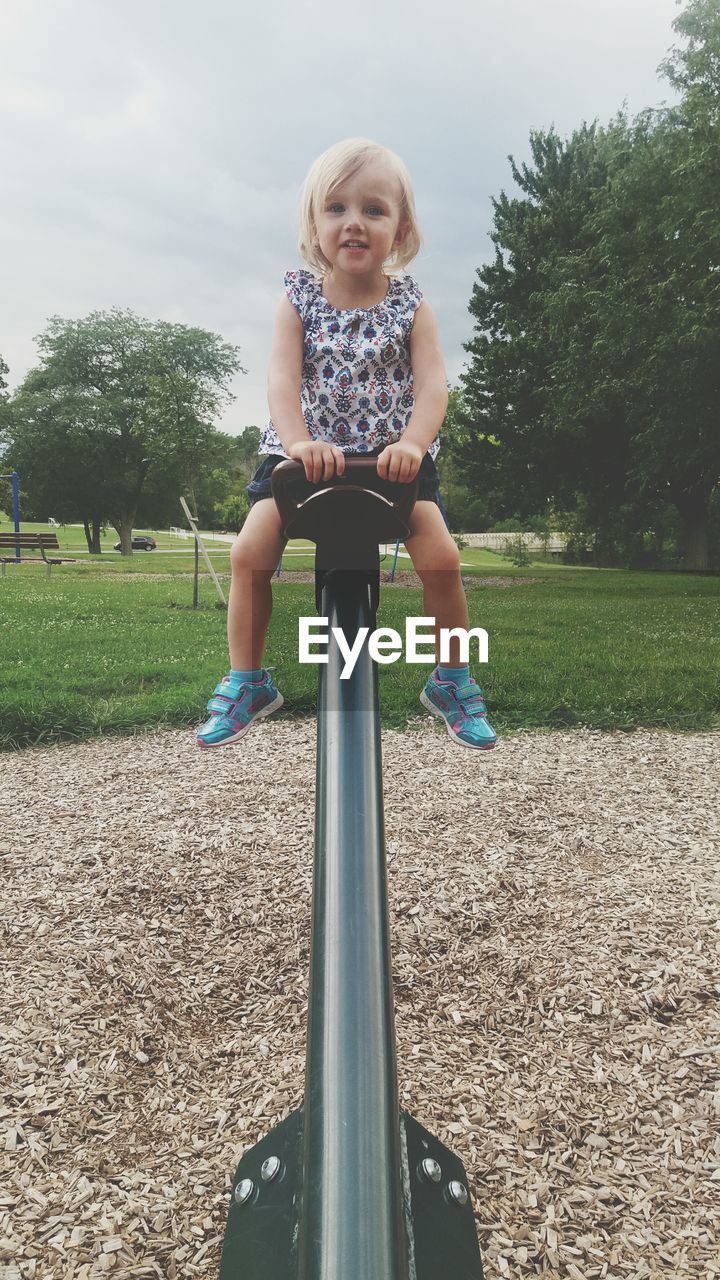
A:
408,578
555,910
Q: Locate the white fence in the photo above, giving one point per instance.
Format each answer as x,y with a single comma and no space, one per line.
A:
552,544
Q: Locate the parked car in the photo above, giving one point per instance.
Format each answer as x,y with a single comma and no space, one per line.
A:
140,542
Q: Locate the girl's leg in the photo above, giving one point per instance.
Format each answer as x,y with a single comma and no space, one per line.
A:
254,557
453,696
437,563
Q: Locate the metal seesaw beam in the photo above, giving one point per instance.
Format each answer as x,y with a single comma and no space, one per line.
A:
352,1224
349,1187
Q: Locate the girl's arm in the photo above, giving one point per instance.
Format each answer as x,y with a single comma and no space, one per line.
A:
401,461
285,376
429,379
320,460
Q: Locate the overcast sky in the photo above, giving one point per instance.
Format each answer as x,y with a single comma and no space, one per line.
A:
153,151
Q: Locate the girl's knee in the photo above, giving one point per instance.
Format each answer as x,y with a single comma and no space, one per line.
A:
247,556
239,554
441,558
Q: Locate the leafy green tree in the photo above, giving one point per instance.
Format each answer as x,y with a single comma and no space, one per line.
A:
247,445
596,353
203,480
121,403
232,513
661,302
218,493
4,484
525,305
61,470
469,493
695,70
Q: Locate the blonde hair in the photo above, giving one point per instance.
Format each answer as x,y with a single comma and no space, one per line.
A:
334,167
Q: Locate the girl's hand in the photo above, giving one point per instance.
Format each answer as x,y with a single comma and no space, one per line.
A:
320,460
400,461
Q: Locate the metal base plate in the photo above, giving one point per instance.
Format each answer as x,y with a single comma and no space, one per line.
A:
261,1234
261,1237
443,1237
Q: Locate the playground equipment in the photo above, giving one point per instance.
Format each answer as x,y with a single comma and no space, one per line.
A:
349,1187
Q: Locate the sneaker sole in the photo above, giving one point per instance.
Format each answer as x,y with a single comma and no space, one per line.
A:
435,711
260,715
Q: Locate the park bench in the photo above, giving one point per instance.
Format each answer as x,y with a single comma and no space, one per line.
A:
42,542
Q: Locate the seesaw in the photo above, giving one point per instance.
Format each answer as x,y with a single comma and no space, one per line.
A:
349,1187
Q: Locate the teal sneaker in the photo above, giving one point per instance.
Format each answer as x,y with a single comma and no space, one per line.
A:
462,707
236,707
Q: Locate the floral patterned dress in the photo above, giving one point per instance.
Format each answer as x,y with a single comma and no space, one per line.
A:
357,388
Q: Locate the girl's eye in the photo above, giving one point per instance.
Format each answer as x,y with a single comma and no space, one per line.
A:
374,210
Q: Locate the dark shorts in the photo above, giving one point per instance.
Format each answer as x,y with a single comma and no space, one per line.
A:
429,490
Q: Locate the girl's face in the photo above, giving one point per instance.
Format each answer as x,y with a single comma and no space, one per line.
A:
360,224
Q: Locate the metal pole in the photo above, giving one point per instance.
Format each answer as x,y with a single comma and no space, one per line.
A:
352,1224
395,560
197,570
206,558
16,507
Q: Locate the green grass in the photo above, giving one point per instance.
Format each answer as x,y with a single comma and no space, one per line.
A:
71,537
174,555
89,653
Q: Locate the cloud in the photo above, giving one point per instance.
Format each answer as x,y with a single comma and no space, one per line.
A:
153,154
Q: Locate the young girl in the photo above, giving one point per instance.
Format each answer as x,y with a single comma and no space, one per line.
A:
356,367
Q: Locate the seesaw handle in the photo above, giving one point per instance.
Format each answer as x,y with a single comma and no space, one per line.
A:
336,509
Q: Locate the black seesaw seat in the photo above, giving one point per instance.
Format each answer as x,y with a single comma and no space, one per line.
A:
346,517
349,1187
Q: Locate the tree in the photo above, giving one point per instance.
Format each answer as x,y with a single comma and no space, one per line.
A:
229,468
232,513
62,470
511,383
596,352
247,445
695,70
665,295
469,497
4,484
119,402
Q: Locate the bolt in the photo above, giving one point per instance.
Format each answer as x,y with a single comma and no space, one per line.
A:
458,1192
431,1169
270,1169
244,1190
